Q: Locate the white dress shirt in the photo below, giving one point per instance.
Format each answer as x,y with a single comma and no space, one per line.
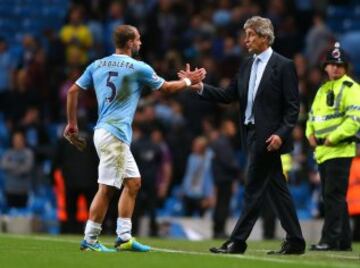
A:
262,60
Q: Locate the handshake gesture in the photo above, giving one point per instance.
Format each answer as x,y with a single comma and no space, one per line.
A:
193,78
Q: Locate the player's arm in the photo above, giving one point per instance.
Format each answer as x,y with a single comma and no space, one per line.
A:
71,132
192,78
83,83
71,108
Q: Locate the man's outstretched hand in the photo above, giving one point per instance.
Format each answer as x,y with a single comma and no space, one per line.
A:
196,76
71,133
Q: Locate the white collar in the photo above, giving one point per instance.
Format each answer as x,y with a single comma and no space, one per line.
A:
265,55
121,55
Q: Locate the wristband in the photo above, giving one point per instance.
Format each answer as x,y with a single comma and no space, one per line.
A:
187,81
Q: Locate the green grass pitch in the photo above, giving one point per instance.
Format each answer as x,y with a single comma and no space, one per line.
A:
37,251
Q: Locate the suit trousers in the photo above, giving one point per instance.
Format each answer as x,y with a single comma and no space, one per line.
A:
222,206
265,177
334,174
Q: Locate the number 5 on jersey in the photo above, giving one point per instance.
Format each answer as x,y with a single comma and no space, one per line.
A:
112,86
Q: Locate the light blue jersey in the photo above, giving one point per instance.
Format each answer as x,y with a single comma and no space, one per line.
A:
118,81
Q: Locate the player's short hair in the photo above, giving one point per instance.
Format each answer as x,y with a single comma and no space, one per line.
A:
122,34
262,26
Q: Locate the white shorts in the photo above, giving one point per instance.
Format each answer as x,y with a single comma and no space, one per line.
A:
116,159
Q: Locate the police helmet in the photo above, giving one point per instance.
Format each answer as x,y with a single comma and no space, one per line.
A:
336,55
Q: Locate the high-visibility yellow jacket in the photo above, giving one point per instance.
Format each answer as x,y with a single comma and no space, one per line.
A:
336,122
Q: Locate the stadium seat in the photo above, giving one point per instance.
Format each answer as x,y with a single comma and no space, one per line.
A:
302,199
350,43
30,16
338,11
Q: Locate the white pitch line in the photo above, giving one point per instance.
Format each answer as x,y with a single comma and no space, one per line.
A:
239,256
258,258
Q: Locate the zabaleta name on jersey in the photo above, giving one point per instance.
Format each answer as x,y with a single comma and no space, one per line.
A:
114,63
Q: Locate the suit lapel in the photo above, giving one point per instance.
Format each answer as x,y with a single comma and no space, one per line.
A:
267,73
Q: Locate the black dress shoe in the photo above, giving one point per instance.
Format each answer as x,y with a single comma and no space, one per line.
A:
230,247
289,248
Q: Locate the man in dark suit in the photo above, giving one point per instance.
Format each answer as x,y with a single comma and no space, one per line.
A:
266,87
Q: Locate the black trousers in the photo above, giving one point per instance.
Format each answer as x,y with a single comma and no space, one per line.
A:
334,174
146,203
71,225
269,219
17,200
222,207
356,228
265,177
192,206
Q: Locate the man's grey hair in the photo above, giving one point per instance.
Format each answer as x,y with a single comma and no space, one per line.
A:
262,26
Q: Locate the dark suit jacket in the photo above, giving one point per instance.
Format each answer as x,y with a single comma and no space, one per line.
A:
276,105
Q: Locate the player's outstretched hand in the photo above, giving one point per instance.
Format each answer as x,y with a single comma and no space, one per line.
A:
71,133
196,76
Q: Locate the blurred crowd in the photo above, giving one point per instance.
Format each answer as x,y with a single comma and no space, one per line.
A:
187,150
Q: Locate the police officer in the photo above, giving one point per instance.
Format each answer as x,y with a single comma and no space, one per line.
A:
334,120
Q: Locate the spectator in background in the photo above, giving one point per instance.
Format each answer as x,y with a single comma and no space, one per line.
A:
38,140
37,75
72,74
317,39
299,169
148,156
76,36
197,185
17,163
114,18
162,22
30,46
7,68
179,140
20,99
79,170
225,171
35,133
164,173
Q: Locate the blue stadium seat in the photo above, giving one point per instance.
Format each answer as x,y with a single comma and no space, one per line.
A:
302,199
172,207
351,24
30,16
3,207
338,11
350,43
7,24
54,131
176,231
236,203
334,25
